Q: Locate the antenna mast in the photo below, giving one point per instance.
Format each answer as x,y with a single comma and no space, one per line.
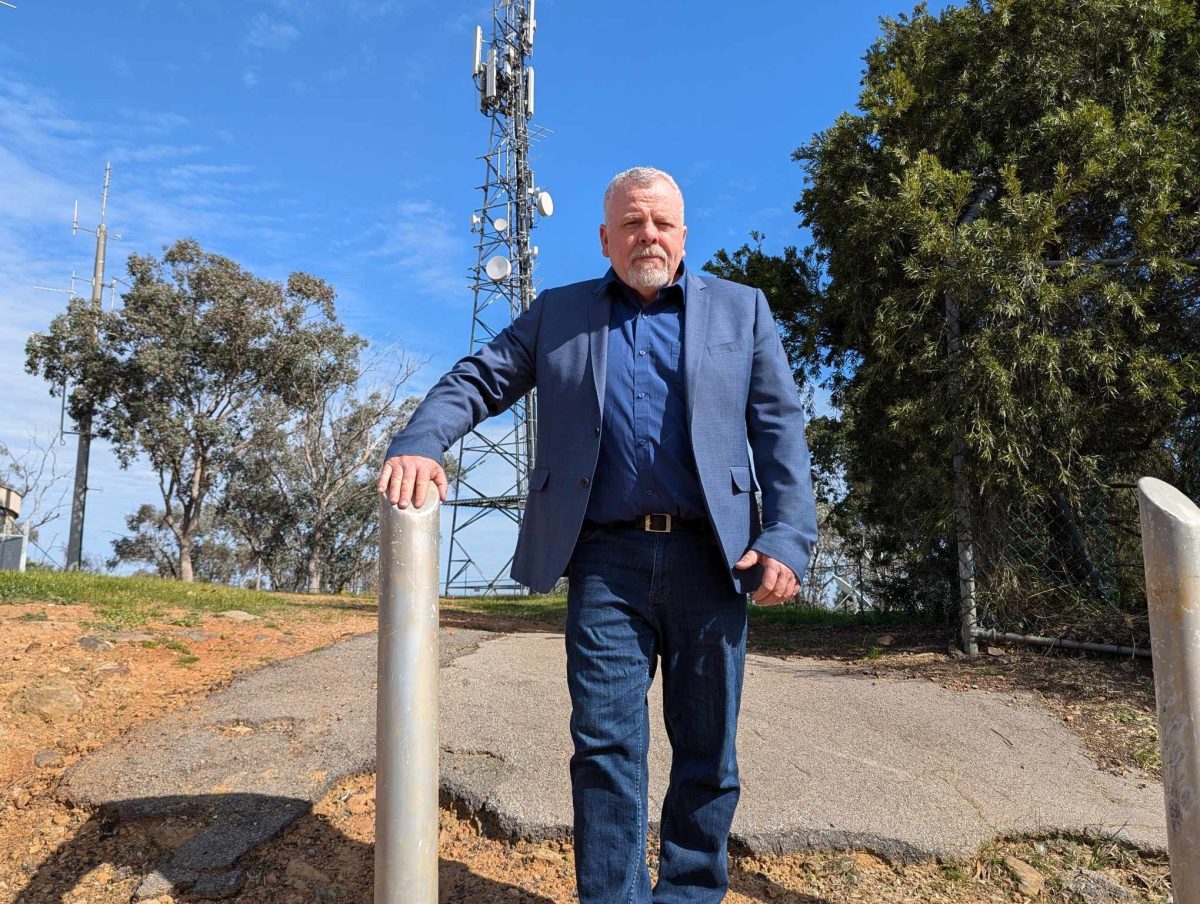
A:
503,285
84,425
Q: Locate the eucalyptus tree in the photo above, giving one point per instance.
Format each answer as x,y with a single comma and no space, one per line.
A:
186,368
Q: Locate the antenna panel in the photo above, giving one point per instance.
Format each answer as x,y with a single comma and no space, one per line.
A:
529,91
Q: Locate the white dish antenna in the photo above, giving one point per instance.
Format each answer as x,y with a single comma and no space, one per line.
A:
545,204
500,223
498,268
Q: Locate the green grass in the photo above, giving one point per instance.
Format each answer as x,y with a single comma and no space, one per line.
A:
548,607
552,607
123,602
187,659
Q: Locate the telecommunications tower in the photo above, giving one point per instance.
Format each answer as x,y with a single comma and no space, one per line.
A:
494,475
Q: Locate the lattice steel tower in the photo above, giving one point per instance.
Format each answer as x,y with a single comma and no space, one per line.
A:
494,477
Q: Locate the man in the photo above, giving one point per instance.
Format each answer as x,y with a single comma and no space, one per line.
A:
651,382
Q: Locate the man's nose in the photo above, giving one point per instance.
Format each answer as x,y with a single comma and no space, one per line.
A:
648,236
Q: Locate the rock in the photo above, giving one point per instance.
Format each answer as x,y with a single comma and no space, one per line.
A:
1096,888
52,700
106,670
47,759
238,615
545,856
1029,880
956,653
306,872
33,647
132,636
195,635
61,819
94,644
153,886
994,651
886,640
21,798
215,886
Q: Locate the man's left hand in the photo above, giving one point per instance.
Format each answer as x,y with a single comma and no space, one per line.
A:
778,582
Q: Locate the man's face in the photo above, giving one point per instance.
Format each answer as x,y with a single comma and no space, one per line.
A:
643,235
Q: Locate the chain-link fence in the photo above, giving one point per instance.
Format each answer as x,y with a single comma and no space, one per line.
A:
1066,564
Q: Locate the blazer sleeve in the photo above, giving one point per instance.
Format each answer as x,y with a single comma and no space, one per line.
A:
480,385
775,428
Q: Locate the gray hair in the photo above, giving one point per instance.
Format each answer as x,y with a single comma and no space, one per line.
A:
641,177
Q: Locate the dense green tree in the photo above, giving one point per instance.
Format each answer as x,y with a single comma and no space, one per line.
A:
1006,229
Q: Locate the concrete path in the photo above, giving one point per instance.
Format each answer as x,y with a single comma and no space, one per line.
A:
899,767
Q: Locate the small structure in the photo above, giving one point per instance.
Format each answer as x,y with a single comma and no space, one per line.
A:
13,541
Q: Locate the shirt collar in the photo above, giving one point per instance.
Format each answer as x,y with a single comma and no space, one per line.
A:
679,287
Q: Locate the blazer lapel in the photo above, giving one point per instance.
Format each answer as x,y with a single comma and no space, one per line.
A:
599,312
695,335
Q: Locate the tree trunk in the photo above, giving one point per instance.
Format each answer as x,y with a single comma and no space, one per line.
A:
314,565
185,559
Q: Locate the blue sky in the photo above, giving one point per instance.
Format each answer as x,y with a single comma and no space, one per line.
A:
341,138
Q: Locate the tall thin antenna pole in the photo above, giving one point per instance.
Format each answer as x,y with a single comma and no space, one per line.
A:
84,424
503,287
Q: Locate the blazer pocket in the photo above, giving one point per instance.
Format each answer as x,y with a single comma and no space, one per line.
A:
735,345
537,478
741,479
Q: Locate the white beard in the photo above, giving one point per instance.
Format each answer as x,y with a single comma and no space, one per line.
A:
648,276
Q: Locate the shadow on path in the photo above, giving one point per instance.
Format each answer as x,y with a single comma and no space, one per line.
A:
195,849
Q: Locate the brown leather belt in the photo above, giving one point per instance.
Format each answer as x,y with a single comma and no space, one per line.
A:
655,524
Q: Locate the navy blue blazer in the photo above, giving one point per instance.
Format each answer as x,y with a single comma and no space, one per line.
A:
742,401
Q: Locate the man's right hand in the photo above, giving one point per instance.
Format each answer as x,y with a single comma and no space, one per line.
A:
405,478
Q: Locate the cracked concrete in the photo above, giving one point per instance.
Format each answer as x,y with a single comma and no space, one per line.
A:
829,759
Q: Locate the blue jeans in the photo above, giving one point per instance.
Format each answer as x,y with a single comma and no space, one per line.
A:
634,597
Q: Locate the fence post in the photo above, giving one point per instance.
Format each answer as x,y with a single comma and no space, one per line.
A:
406,734
1171,549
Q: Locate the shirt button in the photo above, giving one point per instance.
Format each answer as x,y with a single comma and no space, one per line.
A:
641,395
642,352
649,492
641,442
583,481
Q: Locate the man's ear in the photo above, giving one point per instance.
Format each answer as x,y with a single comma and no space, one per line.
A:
683,244
604,240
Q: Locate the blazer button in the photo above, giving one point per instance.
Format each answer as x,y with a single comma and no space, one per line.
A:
597,431
583,481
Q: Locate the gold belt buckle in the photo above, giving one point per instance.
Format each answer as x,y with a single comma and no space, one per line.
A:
648,524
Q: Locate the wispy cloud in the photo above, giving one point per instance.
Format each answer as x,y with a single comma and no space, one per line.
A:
266,33
424,244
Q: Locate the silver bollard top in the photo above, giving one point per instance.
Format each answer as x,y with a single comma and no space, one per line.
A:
1170,500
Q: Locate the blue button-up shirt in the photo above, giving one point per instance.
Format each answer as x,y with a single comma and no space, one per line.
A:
646,464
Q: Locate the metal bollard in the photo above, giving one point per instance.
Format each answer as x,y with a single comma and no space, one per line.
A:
1171,549
406,733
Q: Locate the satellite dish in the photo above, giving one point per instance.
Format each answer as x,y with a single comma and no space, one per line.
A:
545,204
500,223
498,268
